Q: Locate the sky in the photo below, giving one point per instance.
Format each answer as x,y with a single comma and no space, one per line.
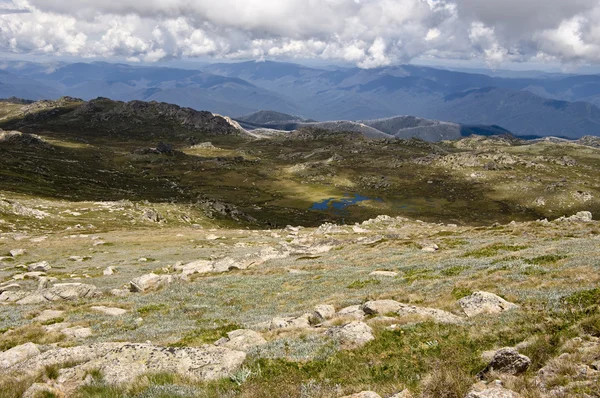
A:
365,33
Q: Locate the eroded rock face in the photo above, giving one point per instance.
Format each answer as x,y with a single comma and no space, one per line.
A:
485,303
61,291
509,361
18,354
241,340
352,335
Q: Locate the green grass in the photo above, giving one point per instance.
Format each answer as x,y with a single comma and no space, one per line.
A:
359,284
545,259
494,250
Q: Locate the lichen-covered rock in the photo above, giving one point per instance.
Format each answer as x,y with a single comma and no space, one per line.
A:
353,311
381,307
485,303
323,312
47,315
352,335
18,354
509,361
111,311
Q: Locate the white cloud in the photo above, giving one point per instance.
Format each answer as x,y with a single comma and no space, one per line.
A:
369,33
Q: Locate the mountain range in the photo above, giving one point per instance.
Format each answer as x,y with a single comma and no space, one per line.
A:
524,104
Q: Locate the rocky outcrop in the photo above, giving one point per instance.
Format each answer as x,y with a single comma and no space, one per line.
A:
484,303
383,307
110,311
41,266
61,291
582,216
18,354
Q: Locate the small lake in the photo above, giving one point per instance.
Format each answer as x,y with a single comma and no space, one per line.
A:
338,204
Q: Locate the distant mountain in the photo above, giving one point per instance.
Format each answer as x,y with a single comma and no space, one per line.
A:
395,127
528,103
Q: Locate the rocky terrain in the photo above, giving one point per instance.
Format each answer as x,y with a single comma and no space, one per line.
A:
179,256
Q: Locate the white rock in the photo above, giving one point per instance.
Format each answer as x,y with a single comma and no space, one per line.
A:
111,311
363,394
77,332
47,315
17,252
390,274
484,303
242,340
41,266
353,311
18,354
352,335
324,312
109,271
149,282
10,287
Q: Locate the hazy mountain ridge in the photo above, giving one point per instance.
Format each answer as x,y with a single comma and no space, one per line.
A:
522,103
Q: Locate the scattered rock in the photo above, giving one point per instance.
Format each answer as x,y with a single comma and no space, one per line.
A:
48,315
353,311
152,215
109,271
323,312
509,361
381,307
390,274
582,216
17,252
11,296
111,311
241,340
430,248
492,390
352,335
363,394
149,282
484,302
300,322
18,354
41,266
79,333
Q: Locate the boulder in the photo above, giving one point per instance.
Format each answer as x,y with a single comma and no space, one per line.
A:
582,216
484,303
381,307
353,311
195,267
17,252
48,315
111,311
41,266
363,394
509,361
18,354
109,271
78,333
491,390
299,322
387,274
241,340
149,282
70,292
323,312
11,296
352,335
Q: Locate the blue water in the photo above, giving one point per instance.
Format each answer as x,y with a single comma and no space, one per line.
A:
338,204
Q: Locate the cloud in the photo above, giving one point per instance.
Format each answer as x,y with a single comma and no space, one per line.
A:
368,33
